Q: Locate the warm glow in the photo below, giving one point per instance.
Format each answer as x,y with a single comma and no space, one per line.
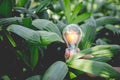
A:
72,37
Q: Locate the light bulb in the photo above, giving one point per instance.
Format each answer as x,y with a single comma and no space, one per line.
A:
72,35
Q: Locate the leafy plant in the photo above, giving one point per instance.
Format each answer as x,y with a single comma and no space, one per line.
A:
30,29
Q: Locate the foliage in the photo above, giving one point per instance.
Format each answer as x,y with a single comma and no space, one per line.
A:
29,27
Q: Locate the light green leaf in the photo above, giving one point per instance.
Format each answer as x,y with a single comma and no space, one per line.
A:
72,75
46,25
88,34
76,11
21,3
36,77
111,50
94,67
81,18
67,9
57,71
11,40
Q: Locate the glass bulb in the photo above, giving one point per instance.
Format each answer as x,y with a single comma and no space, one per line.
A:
72,35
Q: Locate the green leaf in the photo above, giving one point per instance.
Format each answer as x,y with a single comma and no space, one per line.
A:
88,34
34,55
114,29
76,11
46,25
4,21
57,71
26,33
101,58
107,20
81,18
99,50
11,40
21,3
36,77
6,8
35,37
61,25
42,5
72,75
48,37
94,67
27,22
67,9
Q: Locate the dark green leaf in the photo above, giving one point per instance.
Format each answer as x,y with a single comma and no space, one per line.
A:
6,8
27,22
34,55
114,29
107,20
4,21
42,5
57,71
94,67
36,77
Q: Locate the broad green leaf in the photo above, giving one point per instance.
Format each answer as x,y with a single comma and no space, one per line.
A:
76,11
81,18
34,55
57,71
48,37
35,37
4,21
6,8
61,25
26,33
67,9
101,58
99,50
46,25
107,20
94,67
36,77
88,34
113,29
21,3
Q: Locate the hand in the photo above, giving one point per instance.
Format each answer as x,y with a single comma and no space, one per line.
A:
68,54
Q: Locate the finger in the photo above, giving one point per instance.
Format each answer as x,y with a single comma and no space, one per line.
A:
67,54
